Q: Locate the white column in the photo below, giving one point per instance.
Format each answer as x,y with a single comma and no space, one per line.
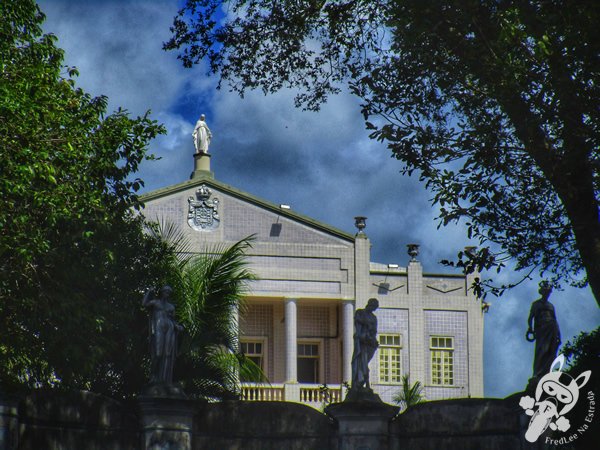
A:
362,256
418,347
347,339
291,344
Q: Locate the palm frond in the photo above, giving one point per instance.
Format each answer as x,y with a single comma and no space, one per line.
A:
249,370
173,236
209,300
409,395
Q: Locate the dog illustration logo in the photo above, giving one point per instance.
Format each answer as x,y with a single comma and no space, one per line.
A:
555,395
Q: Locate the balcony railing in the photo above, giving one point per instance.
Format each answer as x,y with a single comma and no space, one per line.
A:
314,395
262,392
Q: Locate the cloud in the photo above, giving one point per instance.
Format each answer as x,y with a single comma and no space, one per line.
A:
117,48
323,164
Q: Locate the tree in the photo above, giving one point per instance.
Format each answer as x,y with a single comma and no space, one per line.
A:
492,103
74,258
409,395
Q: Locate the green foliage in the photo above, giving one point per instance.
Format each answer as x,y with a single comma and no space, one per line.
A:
409,395
493,104
74,259
583,353
209,300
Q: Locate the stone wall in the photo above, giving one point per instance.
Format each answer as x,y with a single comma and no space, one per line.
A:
262,426
53,420
466,424
56,420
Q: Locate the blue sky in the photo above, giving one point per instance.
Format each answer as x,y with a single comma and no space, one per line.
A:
322,164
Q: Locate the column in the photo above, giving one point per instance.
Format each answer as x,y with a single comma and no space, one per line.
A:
291,344
418,344
362,257
475,335
475,347
347,339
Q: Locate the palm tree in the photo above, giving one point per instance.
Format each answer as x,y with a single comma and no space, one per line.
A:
209,295
409,395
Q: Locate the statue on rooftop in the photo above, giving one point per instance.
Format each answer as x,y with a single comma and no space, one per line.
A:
544,330
201,135
365,345
163,335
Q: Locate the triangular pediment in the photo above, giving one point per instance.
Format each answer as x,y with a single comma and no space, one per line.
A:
232,214
291,254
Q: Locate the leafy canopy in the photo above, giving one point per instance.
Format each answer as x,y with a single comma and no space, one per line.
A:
492,103
73,257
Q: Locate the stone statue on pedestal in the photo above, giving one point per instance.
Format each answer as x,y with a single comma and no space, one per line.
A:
365,345
163,335
543,329
201,135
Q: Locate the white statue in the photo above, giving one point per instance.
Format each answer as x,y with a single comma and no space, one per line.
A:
201,135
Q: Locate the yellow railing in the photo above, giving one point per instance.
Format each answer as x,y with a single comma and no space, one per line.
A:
312,393
262,393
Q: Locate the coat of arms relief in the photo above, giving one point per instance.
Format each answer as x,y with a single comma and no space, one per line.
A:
203,213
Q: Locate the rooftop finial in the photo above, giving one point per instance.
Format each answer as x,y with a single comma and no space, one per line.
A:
360,222
413,251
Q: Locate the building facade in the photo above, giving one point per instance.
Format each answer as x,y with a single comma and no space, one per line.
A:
298,324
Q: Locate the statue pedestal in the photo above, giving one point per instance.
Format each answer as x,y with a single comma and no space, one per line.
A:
163,390
166,422
362,395
201,166
363,424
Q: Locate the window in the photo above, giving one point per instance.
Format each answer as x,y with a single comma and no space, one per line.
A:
442,361
390,370
308,363
254,350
